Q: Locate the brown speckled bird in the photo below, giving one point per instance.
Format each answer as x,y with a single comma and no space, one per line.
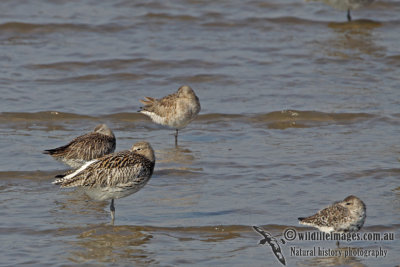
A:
86,147
113,176
175,111
344,216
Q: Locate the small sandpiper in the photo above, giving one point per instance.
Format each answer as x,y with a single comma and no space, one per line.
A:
113,176
344,216
86,147
347,5
175,110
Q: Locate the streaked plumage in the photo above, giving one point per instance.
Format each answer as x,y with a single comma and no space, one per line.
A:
115,175
344,216
86,147
176,110
346,5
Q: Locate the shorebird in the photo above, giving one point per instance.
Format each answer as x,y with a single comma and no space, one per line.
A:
86,147
175,110
344,216
347,5
113,176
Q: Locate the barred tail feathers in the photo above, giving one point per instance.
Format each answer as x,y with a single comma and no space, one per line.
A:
148,103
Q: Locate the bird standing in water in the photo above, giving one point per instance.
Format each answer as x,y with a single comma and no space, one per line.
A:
344,216
113,176
175,110
86,147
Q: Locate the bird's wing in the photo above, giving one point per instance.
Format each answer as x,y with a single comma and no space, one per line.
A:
261,231
70,149
274,244
159,106
118,168
89,146
326,216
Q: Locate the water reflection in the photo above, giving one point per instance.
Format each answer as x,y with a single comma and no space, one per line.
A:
177,154
303,119
76,207
101,243
105,243
137,245
353,40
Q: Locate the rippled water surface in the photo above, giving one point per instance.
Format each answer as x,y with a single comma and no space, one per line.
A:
299,109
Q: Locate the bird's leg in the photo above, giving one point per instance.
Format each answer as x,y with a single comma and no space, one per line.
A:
176,137
348,15
337,243
112,209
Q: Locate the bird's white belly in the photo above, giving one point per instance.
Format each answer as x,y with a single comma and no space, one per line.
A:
106,193
175,121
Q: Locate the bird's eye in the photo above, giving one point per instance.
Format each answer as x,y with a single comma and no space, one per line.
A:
348,203
138,149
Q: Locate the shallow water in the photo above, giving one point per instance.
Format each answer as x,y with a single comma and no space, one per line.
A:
299,109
